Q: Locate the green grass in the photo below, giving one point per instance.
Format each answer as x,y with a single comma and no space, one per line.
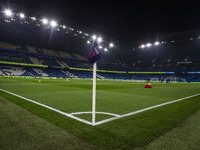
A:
184,137
114,97
21,129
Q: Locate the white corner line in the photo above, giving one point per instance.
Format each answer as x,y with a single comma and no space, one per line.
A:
89,112
48,107
145,109
103,121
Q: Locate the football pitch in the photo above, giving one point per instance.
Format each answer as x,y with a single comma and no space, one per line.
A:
128,115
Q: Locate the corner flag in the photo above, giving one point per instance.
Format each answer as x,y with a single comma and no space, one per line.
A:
93,57
94,53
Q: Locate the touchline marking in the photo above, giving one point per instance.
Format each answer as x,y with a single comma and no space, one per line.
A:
51,108
142,110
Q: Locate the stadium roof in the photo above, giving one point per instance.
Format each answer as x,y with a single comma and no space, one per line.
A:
125,20
121,20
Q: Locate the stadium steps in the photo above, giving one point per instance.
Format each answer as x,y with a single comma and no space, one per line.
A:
65,64
39,51
69,74
35,60
26,73
3,71
62,64
198,80
49,73
64,54
31,49
133,77
101,77
4,45
31,74
40,72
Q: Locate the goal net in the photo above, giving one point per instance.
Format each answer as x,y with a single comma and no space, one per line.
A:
154,79
172,79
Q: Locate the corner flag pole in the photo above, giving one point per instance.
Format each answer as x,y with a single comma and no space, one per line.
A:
94,94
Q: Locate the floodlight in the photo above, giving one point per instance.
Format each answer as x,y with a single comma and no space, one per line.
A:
142,46
111,44
105,49
64,26
99,39
53,23
21,15
94,37
33,18
156,43
80,32
45,21
88,42
100,47
8,12
148,44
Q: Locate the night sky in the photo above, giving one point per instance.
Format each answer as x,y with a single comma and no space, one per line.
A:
124,20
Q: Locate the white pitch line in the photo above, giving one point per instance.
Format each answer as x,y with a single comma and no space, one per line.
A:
142,110
89,112
103,121
51,108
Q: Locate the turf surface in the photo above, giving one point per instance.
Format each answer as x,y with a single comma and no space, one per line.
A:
23,130
114,97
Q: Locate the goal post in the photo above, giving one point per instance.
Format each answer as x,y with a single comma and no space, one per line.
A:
154,79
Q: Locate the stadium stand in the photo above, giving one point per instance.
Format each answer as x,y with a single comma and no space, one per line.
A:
51,62
177,56
5,45
40,72
64,54
49,52
79,56
16,71
81,74
35,60
31,49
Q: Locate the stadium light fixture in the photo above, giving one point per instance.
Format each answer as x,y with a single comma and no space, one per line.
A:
33,18
94,37
105,49
157,43
142,46
111,44
21,15
45,21
100,47
148,44
99,39
53,23
8,12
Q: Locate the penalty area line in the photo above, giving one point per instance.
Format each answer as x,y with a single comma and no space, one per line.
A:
48,107
142,110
